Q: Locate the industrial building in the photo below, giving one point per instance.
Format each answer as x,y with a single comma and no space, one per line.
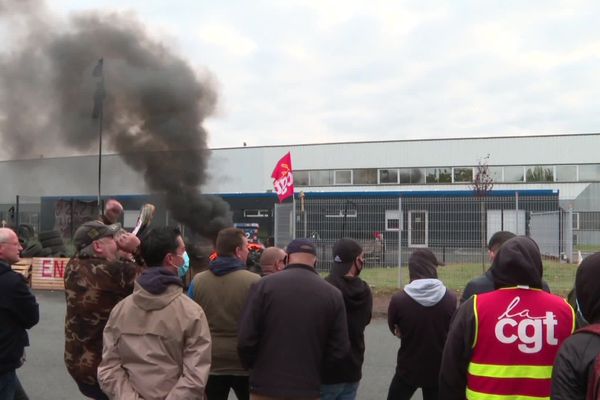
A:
562,172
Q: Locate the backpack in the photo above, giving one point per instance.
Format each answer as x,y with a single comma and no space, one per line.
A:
593,383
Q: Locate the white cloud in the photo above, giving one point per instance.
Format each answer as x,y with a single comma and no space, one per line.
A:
330,70
227,38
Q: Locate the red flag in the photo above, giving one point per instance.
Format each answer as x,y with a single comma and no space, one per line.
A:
283,179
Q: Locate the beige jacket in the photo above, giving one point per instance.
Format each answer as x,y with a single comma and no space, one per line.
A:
156,347
223,299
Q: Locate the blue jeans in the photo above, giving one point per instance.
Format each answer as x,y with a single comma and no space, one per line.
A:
339,391
8,385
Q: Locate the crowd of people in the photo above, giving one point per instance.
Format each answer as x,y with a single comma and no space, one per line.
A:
132,331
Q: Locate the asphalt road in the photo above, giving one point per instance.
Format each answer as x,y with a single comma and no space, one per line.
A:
44,375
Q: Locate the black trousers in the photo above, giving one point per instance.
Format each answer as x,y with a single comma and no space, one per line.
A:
400,390
218,386
20,392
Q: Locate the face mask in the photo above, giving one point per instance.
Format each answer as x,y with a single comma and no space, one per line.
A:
359,265
184,268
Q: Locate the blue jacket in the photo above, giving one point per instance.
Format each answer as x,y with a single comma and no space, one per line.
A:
18,311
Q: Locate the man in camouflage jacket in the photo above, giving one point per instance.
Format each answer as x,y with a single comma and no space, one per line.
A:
95,281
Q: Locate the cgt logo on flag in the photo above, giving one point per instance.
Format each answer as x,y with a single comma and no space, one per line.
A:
283,179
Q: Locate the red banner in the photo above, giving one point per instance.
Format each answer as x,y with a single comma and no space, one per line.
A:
283,179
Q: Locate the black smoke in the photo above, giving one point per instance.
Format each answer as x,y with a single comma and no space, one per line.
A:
153,112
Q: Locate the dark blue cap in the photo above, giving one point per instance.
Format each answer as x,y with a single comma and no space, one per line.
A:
301,246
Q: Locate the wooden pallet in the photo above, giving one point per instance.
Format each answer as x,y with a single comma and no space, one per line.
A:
47,273
23,267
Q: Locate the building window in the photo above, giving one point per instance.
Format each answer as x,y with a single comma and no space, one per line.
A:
393,221
300,178
412,175
365,176
463,174
388,176
540,173
575,221
256,213
438,175
495,173
343,177
321,178
566,173
513,174
590,172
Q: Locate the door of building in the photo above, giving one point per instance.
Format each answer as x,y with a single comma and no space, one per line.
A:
417,228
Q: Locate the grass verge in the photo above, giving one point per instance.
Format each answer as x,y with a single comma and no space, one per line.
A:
560,277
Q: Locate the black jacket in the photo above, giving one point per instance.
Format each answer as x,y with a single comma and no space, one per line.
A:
423,331
359,306
573,363
293,326
18,311
484,284
577,354
458,350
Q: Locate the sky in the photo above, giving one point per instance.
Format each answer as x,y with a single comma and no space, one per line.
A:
291,72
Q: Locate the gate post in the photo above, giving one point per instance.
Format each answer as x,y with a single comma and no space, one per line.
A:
569,235
400,226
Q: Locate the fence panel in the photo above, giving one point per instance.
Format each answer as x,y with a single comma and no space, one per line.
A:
374,223
545,230
455,227
284,224
27,212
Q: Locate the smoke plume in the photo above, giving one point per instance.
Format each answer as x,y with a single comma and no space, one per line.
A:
153,111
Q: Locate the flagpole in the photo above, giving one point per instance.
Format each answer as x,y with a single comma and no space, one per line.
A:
98,113
100,160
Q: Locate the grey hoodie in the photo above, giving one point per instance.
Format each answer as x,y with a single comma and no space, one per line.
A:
426,292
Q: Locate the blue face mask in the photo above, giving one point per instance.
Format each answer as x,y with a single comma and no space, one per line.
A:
186,265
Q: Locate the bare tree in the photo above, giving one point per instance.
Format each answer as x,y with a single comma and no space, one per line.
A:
483,183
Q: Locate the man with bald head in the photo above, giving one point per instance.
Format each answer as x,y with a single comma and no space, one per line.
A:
293,328
18,311
113,210
272,260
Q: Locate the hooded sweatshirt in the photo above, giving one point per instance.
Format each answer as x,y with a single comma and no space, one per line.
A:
518,263
156,342
577,355
359,305
587,288
421,314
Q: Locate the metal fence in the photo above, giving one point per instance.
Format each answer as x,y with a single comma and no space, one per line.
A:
66,214
456,227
